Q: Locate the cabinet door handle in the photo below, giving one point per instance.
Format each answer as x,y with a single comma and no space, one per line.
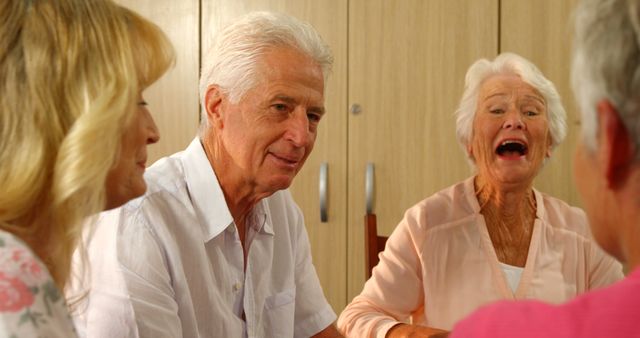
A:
369,187
323,192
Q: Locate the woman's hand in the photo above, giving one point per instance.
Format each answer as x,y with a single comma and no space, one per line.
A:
415,331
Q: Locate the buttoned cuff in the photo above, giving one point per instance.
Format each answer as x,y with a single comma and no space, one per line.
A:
383,326
316,323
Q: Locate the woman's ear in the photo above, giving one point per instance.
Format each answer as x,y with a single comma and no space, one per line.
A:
213,101
615,147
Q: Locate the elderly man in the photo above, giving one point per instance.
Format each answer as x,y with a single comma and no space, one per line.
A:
606,80
217,247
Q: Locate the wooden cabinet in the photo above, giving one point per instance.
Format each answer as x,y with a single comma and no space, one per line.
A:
541,30
173,100
403,63
407,61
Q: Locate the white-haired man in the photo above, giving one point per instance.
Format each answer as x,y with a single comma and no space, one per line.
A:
217,247
606,81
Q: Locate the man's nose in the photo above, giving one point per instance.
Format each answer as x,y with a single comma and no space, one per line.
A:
298,131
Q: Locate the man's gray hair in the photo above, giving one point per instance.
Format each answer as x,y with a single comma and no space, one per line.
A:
508,63
233,60
606,64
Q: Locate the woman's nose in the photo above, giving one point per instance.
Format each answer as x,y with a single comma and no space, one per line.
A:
513,120
153,134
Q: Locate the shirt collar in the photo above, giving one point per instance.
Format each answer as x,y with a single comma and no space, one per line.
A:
205,191
208,199
261,218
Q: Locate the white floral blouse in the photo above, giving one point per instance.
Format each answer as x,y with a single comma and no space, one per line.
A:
30,303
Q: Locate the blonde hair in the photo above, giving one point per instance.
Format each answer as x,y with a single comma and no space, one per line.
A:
70,73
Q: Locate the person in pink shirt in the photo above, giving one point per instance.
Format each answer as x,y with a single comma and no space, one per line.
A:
606,81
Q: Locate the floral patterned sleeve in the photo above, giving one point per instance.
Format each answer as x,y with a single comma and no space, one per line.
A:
30,303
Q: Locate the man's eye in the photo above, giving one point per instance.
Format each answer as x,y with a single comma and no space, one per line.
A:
280,107
313,117
142,103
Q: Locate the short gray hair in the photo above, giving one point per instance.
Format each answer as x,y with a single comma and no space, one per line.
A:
232,61
606,64
508,63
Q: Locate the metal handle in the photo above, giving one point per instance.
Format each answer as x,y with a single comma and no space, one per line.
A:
323,192
369,188
355,109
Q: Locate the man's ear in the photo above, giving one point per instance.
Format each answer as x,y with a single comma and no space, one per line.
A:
213,99
615,147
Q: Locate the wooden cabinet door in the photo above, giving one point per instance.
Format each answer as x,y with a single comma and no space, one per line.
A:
328,239
173,100
407,62
541,31
403,63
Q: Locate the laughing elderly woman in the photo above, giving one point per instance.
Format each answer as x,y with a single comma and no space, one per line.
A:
492,236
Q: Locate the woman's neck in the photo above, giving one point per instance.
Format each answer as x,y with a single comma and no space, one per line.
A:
514,201
509,215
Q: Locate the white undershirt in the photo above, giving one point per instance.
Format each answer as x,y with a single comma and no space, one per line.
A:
513,275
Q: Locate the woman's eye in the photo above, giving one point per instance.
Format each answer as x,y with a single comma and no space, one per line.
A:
142,103
496,111
531,113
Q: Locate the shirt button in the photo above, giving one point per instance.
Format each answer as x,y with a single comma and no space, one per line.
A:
231,229
237,286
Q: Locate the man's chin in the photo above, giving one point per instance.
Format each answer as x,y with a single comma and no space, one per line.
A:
280,183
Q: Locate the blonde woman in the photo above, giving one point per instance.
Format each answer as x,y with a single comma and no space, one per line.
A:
73,135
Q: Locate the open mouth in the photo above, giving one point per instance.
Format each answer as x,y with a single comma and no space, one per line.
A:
511,148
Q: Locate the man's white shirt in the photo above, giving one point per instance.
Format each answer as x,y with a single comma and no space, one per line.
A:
170,263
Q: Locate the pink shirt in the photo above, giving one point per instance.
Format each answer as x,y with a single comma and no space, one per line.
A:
610,312
439,264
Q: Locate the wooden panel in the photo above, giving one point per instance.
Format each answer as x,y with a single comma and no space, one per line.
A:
328,240
407,61
541,31
173,100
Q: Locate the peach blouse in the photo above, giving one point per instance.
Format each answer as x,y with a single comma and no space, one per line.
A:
439,264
